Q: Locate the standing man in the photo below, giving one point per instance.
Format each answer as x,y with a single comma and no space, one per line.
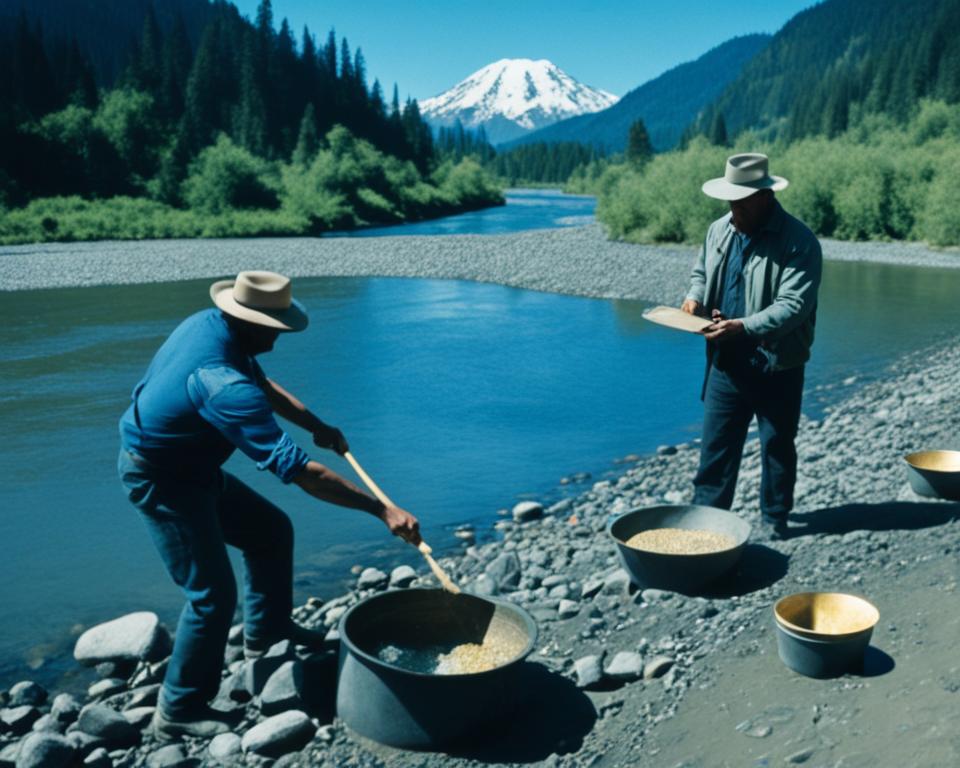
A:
756,277
203,396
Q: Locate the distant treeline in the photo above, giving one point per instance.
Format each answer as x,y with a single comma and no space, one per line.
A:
247,121
880,179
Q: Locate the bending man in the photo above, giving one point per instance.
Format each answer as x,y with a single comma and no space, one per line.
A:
203,396
757,278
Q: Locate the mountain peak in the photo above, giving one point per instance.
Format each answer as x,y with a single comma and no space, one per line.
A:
513,96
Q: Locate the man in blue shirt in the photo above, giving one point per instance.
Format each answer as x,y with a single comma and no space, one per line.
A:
203,396
757,278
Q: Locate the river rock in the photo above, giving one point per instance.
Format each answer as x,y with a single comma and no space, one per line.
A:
102,722
134,636
45,750
18,720
284,689
657,667
626,666
224,746
98,758
589,671
170,756
504,571
8,754
27,692
106,687
526,511
139,717
48,723
617,583
372,578
287,732
567,609
65,708
484,586
402,576
257,671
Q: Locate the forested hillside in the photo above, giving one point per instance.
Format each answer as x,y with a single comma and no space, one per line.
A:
247,120
840,59
666,104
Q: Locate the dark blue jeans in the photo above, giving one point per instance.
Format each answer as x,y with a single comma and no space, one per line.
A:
731,399
191,520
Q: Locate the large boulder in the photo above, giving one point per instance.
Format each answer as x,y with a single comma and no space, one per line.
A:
45,750
134,636
287,732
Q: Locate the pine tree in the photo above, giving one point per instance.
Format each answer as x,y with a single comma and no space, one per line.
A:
718,131
308,139
639,149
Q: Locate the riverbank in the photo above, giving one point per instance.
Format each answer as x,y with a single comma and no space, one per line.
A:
652,678
577,260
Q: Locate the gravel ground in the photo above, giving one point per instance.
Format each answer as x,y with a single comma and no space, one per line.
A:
619,677
576,260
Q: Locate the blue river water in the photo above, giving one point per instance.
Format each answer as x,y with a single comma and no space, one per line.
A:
458,398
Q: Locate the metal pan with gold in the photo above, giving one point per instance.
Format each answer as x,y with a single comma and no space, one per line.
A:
935,474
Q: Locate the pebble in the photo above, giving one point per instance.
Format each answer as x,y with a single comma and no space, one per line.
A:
526,511
170,756
626,666
224,746
567,609
98,758
657,667
402,576
372,578
277,735
589,670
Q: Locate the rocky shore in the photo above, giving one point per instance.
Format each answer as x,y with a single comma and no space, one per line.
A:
623,677
619,677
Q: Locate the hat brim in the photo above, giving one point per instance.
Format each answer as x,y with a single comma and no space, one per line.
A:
721,189
293,318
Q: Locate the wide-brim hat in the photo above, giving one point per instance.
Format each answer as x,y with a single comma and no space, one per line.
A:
745,174
262,298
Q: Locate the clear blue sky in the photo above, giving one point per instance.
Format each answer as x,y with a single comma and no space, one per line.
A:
427,46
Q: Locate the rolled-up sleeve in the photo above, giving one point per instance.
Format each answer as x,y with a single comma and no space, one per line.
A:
239,410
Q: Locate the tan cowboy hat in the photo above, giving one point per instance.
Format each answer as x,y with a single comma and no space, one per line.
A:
745,174
263,298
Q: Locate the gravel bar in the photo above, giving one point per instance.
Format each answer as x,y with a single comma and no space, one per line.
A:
576,260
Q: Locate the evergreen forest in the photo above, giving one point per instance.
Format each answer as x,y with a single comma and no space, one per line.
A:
246,133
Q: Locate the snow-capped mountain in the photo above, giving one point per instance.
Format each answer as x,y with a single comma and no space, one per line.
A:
513,96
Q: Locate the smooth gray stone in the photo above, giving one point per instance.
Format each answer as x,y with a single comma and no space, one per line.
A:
484,586
567,609
8,755
85,743
139,717
170,756
66,707
224,746
284,689
652,595
657,667
527,510
45,750
234,687
617,583
121,668
27,692
372,578
589,671
402,576
135,636
505,571
591,587
106,687
554,580
105,723
19,720
626,666
99,758
287,732
145,696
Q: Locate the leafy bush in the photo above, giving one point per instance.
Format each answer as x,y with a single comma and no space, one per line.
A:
225,176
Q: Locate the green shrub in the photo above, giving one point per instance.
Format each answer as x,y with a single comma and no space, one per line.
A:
225,176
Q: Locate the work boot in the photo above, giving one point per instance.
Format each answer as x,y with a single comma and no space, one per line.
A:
776,524
205,724
310,639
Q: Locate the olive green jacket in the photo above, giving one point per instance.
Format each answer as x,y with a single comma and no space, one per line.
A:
781,280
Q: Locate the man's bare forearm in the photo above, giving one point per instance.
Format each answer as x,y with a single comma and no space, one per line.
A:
290,408
325,484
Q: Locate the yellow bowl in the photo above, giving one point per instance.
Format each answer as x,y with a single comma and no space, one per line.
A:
825,615
935,461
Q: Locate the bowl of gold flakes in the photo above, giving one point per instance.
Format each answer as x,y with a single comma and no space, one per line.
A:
681,548
424,668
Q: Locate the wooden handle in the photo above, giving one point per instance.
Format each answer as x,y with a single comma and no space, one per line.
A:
367,480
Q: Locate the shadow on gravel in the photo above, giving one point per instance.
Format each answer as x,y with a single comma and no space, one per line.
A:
885,516
550,715
759,567
876,662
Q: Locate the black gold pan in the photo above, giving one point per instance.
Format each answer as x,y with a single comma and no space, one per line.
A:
935,474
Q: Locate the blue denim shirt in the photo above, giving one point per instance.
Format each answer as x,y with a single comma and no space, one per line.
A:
200,399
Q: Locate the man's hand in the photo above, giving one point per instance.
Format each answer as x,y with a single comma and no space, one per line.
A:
722,329
325,436
692,307
401,523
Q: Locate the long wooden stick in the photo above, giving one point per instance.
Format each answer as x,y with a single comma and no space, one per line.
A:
445,581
